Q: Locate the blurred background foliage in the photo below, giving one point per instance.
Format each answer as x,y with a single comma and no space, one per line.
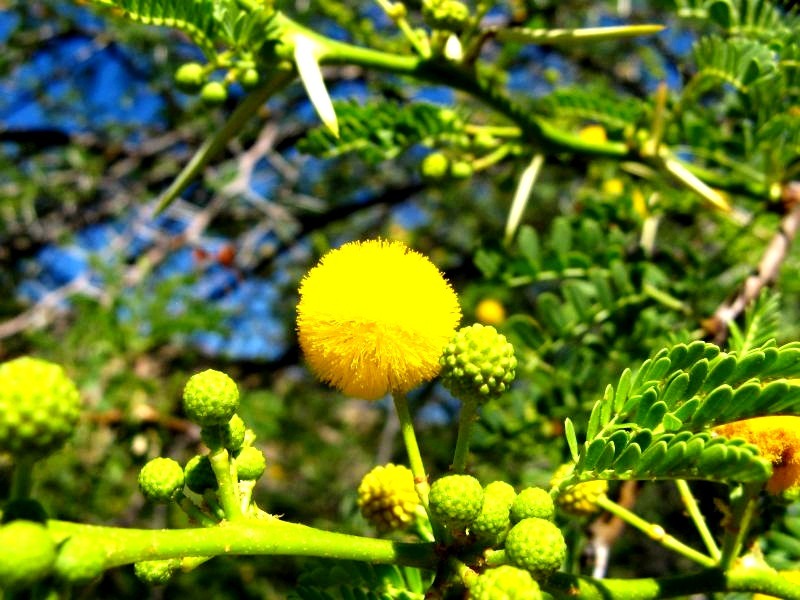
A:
610,263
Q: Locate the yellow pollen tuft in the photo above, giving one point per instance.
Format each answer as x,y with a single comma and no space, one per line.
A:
374,317
778,440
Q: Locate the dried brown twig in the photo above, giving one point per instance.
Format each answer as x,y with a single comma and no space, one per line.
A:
768,266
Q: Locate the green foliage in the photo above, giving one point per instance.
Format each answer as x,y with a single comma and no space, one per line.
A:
652,425
379,131
359,581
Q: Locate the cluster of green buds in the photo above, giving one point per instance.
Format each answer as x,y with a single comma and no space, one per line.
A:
437,166
515,533
39,410
445,15
213,486
194,78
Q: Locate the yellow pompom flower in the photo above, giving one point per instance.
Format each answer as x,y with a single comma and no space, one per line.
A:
778,440
374,318
387,498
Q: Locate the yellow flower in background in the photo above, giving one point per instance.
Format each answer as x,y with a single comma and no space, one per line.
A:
594,134
374,318
778,440
490,312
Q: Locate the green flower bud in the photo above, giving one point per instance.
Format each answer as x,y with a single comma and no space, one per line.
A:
161,479
229,435
27,554
39,407
478,364
536,545
213,93
461,169
579,499
249,79
250,463
210,398
156,572
199,475
24,509
80,560
505,583
435,166
387,498
532,502
190,77
456,500
447,15
493,521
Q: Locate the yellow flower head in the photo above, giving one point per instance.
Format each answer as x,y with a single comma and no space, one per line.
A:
387,497
778,440
594,134
374,318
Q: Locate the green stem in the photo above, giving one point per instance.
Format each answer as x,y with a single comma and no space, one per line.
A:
412,448
654,532
194,512
469,410
228,492
243,113
744,509
22,483
435,70
756,580
697,517
248,537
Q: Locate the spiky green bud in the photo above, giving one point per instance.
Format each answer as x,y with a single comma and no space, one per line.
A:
213,93
39,406
250,463
190,77
579,499
478,364
210,398
387,498
536,545
161,479
493,521
27,554
505,583
199,475
79,560
156,572
446,15
532,502
456,500
229,436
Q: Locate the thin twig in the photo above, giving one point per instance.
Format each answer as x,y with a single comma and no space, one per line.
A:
768,266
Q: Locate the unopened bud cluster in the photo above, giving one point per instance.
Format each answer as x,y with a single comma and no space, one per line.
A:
478,364
498,519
